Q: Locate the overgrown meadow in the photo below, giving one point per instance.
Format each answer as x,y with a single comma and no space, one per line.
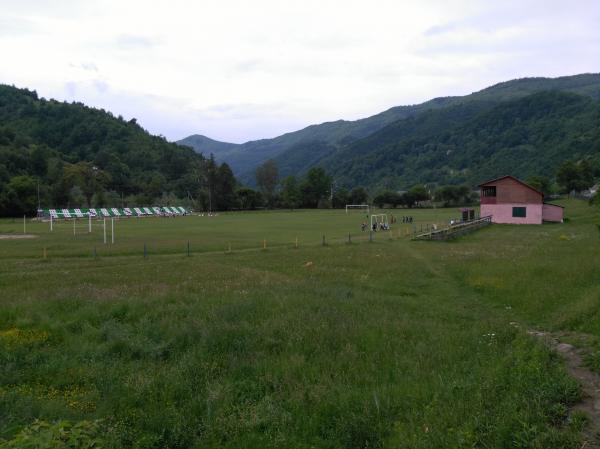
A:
390,343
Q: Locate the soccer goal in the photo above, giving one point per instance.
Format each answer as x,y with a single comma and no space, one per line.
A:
358,206
379,222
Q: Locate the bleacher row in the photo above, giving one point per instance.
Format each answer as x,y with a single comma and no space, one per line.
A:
115,212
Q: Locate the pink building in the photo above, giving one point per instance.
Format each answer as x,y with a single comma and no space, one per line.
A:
509,200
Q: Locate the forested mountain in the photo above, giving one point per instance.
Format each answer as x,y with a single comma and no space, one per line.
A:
334,144
473,142
84,156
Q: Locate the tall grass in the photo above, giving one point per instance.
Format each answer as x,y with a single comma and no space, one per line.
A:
386,344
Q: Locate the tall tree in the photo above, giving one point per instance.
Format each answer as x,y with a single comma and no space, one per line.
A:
575,176
541,183
89,178
225,184
315,187
267,176
358,195
290,192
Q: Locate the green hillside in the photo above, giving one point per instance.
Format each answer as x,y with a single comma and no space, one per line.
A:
78,155
472,142
339,146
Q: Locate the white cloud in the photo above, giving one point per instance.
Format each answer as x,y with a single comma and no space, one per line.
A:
238,70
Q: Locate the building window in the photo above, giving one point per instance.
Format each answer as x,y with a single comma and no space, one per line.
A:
489,191
520,212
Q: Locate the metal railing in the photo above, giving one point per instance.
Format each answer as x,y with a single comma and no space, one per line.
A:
455,230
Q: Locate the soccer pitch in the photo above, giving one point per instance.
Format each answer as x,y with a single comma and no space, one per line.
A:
247,230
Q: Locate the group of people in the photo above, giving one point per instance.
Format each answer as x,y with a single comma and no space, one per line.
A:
382,226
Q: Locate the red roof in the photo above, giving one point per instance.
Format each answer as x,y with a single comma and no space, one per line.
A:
511,177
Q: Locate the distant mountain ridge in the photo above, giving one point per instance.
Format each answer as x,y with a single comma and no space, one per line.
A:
206,145
331,144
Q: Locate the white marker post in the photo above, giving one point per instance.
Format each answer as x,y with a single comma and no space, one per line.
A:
112,230
74,220
24,225
50,223
89,223
104,222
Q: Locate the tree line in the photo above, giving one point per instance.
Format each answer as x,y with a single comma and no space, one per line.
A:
68,155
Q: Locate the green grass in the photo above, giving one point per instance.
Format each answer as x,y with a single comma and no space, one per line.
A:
394,344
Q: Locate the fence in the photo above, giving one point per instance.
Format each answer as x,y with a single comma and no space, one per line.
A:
454,231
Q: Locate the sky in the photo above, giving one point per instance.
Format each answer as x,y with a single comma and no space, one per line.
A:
239,70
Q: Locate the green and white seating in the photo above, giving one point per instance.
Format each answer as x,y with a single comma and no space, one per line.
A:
104,212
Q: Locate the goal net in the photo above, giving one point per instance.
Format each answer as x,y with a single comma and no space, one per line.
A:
357,206
379,222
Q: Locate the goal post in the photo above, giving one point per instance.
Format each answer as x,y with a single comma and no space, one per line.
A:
379,221
358,206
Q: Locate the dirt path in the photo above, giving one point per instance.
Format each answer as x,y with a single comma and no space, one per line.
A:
589,380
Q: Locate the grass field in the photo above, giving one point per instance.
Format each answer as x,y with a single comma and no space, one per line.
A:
391,344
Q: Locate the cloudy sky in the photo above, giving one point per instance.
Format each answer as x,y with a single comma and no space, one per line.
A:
238,70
